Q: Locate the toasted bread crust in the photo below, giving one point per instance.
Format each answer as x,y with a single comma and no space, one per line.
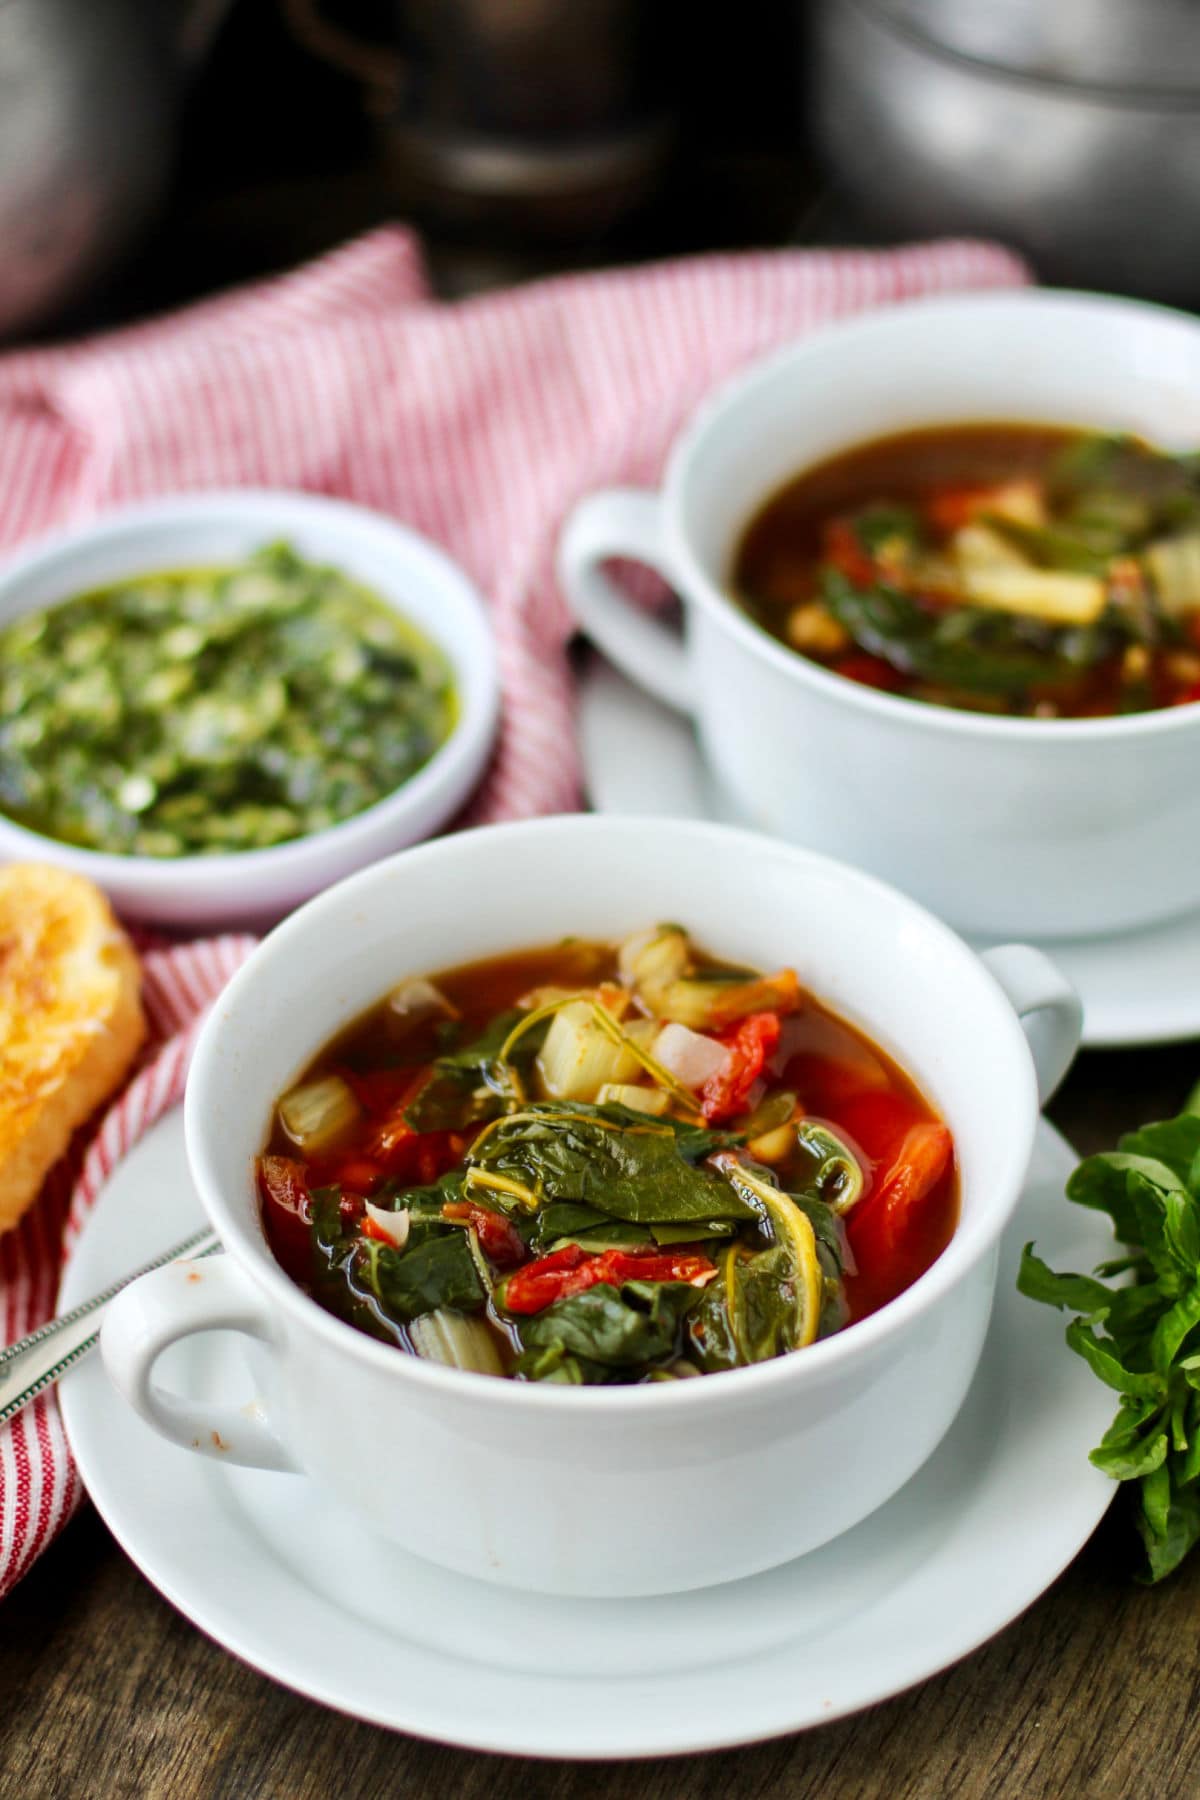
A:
71,1020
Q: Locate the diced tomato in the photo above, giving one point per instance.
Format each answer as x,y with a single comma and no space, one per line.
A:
1187,695
360,1174
868,671
888,1231
369,1229
842,548
383,1090
571,1270
950,508
751,1042
499,1238
287,1213
414,1156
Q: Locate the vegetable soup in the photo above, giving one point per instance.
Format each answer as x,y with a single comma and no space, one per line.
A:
600,1164
1014,569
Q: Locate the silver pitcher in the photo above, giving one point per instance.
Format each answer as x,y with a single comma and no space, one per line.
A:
1069,128
89,99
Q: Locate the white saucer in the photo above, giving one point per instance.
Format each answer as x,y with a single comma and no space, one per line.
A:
285,1580
1142,987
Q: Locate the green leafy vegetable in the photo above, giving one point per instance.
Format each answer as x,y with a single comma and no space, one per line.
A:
377,1287
615,1328
619,1162
1143,1339
472,1083
966,648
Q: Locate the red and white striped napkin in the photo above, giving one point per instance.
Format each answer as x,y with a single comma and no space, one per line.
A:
478,422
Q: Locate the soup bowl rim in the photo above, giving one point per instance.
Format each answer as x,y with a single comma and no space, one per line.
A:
239,1228
714,593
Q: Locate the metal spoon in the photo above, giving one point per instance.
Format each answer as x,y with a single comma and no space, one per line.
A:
37,1361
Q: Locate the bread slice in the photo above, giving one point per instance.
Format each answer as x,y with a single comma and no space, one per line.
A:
71,1020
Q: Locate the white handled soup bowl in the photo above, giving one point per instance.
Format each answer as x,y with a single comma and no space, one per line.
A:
1050,828
217,528
632,1490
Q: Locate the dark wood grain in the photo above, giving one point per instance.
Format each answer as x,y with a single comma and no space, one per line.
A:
1094,1692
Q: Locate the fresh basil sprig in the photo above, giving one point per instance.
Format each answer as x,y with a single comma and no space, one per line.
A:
1142,1337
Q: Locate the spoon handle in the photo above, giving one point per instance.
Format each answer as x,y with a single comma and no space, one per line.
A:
35,1362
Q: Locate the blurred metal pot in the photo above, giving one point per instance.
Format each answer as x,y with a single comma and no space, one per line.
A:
89,94
1070,130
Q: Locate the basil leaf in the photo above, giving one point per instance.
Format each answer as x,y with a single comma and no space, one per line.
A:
1173,1328
1168,1519
1079,1292
1099,1183
1129,1462
1173,1142
1103,1356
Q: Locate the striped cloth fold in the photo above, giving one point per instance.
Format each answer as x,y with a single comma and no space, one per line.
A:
478,422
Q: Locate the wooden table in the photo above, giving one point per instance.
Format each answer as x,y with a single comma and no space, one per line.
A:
109,1692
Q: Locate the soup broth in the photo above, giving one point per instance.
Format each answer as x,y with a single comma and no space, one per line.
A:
1029,570
603,1164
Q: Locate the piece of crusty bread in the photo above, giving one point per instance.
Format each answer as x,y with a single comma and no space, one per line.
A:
70,1019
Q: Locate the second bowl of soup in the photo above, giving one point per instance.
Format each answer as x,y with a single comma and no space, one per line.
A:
941,579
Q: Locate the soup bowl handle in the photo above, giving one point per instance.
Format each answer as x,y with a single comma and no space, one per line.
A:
623,522
162,1308
1049,1009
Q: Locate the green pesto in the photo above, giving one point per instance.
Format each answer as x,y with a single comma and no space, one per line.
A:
202,711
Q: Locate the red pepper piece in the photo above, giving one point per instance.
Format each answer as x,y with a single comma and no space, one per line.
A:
842,548
287,1213
885,1229
751,1042
571,1270
499,1239
868,671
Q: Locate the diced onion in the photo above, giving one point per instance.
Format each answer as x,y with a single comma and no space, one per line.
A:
394,1225
688,1055
578,1056
317,1113
417,999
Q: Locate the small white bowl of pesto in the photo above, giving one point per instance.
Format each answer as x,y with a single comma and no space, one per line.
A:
217,704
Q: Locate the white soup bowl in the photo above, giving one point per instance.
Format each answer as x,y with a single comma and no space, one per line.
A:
1046,828
618,1490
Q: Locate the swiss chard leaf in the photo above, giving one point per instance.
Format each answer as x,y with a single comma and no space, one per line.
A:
619,1162
471,1083
968,648
373,1284
438,1273
623,1328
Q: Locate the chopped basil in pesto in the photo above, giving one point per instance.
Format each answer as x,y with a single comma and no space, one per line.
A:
208,710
